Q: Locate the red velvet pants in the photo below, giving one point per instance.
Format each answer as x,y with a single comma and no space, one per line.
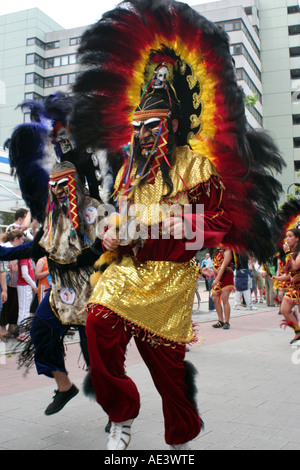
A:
116,392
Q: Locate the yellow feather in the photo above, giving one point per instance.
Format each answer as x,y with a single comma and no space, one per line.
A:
94,278
105,258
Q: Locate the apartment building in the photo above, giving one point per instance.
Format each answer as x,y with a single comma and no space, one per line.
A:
38,57
265,43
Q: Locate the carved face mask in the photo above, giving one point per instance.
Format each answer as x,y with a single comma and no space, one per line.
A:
160,77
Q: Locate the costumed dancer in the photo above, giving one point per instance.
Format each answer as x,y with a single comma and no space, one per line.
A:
160,76
68,237
288,220
222,285
280,287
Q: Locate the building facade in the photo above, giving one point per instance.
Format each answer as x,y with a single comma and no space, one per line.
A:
265,43
38,57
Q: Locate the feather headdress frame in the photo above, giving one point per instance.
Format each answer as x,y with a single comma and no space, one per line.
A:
120,55
288,217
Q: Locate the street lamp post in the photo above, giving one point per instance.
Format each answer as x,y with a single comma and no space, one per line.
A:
292,184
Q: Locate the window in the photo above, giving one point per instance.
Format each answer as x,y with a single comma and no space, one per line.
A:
35,59
29,78
64,80
30,59
72,78
31,42
295,51
56,81
34,78
248,10
295,29
59,80
241,74
296,119
35,42
239,25
52,45
294,9
295,73
48,82
49,63
238,49
296,165
296,141
65,60
34,96
75,41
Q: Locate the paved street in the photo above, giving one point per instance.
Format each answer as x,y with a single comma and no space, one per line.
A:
248,389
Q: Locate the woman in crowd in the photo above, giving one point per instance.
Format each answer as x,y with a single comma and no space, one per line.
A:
26,287
222,285
9,313
292,274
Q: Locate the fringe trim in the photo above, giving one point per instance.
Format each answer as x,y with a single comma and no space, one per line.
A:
145,335
285,324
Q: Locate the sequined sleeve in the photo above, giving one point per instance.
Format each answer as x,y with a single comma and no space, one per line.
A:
209,227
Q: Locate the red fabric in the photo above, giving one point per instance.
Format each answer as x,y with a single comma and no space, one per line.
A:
117,393
22,262
216,224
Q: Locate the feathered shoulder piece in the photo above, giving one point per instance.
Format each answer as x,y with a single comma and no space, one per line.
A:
26,154
144,45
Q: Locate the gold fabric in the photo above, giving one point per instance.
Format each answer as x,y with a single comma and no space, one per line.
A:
70,289
156,296
193,170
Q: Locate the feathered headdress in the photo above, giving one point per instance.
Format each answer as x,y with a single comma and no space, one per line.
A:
35,147
288,217
143,44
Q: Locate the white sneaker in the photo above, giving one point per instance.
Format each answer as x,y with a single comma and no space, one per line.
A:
184,446
120,435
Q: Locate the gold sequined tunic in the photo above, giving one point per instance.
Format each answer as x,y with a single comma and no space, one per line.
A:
157,295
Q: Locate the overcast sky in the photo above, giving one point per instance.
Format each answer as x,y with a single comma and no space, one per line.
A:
70,14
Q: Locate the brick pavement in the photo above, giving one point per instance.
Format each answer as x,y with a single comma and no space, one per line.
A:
248,386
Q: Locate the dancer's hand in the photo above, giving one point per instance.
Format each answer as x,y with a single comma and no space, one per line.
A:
175,227
110,239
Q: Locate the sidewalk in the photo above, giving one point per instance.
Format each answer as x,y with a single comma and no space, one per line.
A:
248,386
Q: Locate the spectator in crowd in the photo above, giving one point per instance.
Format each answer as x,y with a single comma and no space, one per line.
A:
243,283
269,270
26,288
258,281
9,313
203,265
22,222
42,275
3,298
